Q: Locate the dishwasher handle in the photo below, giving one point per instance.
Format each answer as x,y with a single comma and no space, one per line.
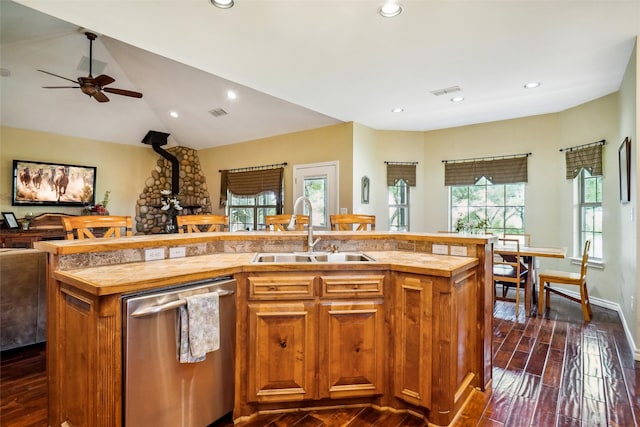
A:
171,305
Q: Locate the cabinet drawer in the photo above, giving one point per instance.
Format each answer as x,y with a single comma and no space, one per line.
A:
281,287
352,286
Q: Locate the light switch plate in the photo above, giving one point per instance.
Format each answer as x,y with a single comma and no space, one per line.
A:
459,250
440,249
177,252
153,254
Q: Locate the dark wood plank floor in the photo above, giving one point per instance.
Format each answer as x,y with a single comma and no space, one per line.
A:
550,371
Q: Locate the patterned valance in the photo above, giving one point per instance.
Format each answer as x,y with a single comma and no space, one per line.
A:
396,172
498,171
589,158
251,183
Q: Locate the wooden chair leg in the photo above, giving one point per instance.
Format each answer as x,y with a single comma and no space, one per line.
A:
540,298
584,300
517,299
548,301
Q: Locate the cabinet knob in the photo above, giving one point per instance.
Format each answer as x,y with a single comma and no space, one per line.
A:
283,343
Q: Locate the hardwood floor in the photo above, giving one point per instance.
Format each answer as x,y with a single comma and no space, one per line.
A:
551,371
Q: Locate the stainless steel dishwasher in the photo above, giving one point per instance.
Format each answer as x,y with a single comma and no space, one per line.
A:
158,390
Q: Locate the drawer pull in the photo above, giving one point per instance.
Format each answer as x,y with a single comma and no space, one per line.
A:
283,343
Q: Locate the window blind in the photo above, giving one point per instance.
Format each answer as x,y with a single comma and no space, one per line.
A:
251,183
498,171
396,172
589,158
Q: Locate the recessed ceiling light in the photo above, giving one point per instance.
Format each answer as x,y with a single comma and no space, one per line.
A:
222,4
174,114
232,94
532,85
397,110
457,99
390,9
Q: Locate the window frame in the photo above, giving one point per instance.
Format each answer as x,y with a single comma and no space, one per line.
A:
472,208
399,206
581,232
256,206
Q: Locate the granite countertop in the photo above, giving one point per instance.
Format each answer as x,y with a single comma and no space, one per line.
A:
139,276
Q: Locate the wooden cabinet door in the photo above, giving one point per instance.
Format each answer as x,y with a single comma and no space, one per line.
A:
282,346
352,356
413,339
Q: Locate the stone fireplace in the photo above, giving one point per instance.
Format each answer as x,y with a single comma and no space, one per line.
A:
193,193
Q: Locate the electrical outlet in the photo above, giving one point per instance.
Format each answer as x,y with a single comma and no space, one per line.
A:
344,211
178,252
440,249
153,254
459,250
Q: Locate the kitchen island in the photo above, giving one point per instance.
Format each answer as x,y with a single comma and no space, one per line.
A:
409,331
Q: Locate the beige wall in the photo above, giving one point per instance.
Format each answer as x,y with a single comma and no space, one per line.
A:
331,143
121,168
627,284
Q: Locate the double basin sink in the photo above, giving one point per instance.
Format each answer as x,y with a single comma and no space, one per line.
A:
315,257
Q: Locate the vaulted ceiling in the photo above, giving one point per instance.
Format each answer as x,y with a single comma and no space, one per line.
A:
303,64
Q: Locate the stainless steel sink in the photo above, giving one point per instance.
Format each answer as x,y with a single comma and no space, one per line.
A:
322,257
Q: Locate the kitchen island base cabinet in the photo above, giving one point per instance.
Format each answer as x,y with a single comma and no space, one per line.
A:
282,351
436,360
351,349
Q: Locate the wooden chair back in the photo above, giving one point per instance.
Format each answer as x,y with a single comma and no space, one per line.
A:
350,222
547,277
524,238
281,222
509,271
96,226
201,223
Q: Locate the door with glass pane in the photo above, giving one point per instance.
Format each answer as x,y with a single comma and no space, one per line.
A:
319,183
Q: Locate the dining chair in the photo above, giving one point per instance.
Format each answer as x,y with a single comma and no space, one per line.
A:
525,240
96,226
547,277
510,272
349,222
201,223
281,222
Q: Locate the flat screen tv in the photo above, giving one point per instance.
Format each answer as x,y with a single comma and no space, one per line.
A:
52,184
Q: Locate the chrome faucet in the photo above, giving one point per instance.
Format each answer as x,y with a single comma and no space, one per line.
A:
292,224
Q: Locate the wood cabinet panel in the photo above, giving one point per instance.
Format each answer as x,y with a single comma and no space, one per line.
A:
352,286
282,351
352,349
413,340
281,287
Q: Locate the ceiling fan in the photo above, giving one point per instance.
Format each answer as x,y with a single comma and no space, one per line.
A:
94,87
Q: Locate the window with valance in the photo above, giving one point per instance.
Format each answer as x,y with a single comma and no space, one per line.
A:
252,183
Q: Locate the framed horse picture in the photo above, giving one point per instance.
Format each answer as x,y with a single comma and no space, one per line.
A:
52,184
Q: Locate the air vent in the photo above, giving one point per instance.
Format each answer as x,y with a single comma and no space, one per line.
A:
217,112
97,66
446,90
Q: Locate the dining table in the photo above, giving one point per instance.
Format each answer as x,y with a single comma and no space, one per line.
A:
529,254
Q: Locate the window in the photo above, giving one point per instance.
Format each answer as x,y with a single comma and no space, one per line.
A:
500,205
399,206
590,218
248,212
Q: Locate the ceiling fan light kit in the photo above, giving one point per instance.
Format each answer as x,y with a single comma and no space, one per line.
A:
93,87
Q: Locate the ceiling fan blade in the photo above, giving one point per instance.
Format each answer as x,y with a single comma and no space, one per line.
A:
122,92
55,75
61,87
103,80
100,97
